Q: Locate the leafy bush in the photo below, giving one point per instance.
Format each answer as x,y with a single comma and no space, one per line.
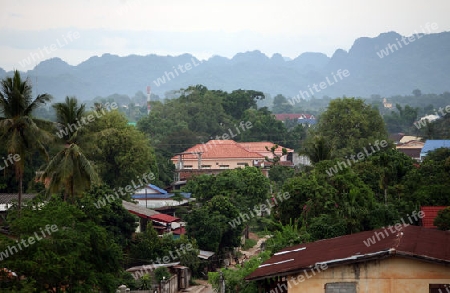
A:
162,273
442,221
249,243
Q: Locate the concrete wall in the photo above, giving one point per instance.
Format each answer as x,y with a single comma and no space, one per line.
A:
215,163
391,275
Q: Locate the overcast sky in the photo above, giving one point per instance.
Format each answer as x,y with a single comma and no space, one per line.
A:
76,30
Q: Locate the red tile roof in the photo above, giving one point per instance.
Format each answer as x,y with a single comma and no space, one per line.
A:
164,218
410,241
430,215
214,149
260,147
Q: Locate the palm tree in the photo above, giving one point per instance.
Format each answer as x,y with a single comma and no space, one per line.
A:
22,132
69,169
318,149
68,113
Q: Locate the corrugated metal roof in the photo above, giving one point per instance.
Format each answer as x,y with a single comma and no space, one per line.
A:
164,218
410,241
138,210
431,145
430,215
7,198
205,254
186,195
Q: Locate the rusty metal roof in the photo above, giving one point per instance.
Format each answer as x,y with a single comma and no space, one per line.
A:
409,241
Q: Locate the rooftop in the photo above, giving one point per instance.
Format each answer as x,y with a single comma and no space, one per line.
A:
260,147
214,149
138,210
411,241
431,145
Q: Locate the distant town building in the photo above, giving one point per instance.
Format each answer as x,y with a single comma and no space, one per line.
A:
303,119
217,155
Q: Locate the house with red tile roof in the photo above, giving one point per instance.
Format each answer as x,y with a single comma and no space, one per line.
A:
217,155
389,260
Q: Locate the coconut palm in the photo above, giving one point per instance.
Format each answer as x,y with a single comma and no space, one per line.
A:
69,169
318,149
66,114
22,132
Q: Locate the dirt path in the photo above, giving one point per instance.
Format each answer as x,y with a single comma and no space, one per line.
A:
257,248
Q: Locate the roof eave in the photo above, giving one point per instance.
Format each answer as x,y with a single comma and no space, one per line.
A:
330,263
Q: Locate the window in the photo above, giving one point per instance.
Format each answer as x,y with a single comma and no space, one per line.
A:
439,288
242,164
348,287
224,166
206,166
187,166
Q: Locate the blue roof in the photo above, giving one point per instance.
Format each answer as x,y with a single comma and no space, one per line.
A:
431,145
165,196
157,189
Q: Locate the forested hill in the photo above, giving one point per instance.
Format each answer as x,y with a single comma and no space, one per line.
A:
385,65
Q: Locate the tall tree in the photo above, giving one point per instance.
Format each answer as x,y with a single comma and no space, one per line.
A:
23,133
350,125
69,168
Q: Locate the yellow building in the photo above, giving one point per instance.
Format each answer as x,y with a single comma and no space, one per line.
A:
400,258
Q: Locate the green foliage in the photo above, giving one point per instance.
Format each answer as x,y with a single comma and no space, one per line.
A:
120,223
80,254
147,247
22,133
401,120
145,282
162,273
429,183
327,226
249,243
210,224
121,152
442,220
234,278
349,125
244,187
287,235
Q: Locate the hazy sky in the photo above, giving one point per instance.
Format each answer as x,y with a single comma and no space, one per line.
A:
76,30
